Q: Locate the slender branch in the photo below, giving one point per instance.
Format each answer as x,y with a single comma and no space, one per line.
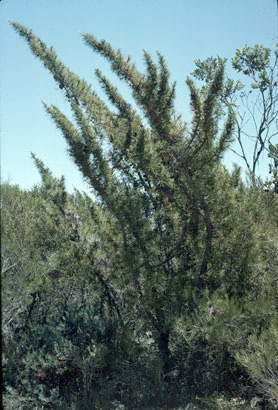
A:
108,292
4,271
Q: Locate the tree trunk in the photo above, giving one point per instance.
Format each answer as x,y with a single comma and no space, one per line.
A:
163,340
165,354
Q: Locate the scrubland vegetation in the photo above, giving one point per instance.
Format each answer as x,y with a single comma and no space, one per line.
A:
160,290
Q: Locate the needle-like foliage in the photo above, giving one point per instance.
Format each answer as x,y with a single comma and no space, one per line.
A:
153,174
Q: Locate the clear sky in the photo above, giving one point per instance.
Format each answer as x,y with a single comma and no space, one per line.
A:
182,30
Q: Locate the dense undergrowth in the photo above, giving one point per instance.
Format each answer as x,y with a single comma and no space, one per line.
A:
66,347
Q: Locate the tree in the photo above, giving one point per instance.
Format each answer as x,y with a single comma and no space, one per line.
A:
154,180
254,103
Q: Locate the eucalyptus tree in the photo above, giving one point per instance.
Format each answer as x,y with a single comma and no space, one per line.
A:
253,99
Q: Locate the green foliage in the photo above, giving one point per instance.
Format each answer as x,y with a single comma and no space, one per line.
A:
253,61
154,293
273,169
64,355
253,98
260,359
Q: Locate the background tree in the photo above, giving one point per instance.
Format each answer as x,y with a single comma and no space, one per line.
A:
254,103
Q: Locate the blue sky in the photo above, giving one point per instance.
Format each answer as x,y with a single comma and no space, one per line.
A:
182,30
